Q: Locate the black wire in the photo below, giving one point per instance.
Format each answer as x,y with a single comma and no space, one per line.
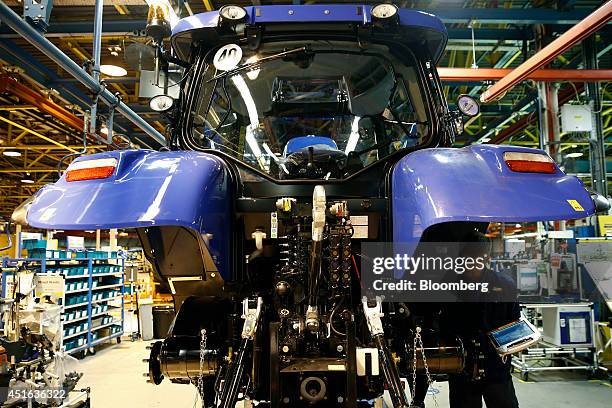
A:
76,154
229,102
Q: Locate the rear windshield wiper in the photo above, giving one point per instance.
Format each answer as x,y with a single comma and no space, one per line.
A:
257,63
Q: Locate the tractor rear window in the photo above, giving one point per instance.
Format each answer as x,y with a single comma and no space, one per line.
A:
314,112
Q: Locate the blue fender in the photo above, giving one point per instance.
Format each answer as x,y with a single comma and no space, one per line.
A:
433,186
148,188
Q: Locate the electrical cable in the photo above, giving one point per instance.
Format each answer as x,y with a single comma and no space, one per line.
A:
331,317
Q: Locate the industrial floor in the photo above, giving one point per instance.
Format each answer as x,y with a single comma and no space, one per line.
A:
115,375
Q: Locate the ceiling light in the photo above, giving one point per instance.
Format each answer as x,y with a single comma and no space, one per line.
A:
113,70
11,153
574,155
104,130
27,181
161,103
485,140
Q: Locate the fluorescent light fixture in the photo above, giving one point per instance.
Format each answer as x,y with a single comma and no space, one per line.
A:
113,70
485,140
573,155
27,181
11,153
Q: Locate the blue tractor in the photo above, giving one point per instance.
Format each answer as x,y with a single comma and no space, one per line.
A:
301,132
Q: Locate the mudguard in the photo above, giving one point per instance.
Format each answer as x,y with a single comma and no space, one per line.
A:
433,186
148,188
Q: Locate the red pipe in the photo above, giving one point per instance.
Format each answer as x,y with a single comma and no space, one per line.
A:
542,75
572,36
27,95
564,96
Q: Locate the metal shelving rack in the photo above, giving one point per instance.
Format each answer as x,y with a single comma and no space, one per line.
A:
81,319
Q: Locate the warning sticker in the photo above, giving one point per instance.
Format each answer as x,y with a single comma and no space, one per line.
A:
575,205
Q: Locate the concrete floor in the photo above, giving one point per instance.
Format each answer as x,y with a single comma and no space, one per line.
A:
115,377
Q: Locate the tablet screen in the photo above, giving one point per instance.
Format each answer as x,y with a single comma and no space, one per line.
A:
512,333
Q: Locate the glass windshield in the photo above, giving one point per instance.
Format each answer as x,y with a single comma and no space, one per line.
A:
312,112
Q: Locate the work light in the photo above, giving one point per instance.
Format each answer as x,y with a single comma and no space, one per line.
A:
232,14
383,11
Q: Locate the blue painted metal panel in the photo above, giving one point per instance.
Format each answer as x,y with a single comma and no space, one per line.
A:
186,188
359,14
433,186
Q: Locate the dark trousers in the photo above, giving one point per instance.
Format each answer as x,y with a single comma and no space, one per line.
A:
469,394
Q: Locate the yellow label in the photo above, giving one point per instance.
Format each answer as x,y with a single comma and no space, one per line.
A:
575,205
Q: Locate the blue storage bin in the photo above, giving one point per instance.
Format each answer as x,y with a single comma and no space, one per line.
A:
34,244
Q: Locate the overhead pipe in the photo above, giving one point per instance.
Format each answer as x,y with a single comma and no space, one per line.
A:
97,51
12,19
564,97
36,100
541,75
577,33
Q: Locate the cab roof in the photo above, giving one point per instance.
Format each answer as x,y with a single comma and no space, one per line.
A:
413,26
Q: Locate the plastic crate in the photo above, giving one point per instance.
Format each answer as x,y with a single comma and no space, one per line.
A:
34,244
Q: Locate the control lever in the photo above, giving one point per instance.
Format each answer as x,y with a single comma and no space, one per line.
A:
373,316
251,313
314,273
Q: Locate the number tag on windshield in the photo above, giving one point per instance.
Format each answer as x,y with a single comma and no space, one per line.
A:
227,57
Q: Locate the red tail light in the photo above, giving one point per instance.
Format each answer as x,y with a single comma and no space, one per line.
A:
91,169
529,162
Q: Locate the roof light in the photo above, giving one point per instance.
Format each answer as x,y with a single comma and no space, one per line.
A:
11,153
232,14
27,181
91,169
383,11
529,162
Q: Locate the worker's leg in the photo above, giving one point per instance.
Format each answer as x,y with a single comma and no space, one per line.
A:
500,395
464,394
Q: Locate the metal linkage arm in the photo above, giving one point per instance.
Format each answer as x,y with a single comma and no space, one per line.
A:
251,313
373,314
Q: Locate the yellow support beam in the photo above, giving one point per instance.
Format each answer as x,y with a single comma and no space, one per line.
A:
7,171
208,5
43,137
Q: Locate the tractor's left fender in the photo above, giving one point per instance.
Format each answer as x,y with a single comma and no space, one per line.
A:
168,196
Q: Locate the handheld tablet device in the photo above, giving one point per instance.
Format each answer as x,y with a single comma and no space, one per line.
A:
514,337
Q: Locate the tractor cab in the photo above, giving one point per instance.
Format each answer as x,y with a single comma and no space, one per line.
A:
359,77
